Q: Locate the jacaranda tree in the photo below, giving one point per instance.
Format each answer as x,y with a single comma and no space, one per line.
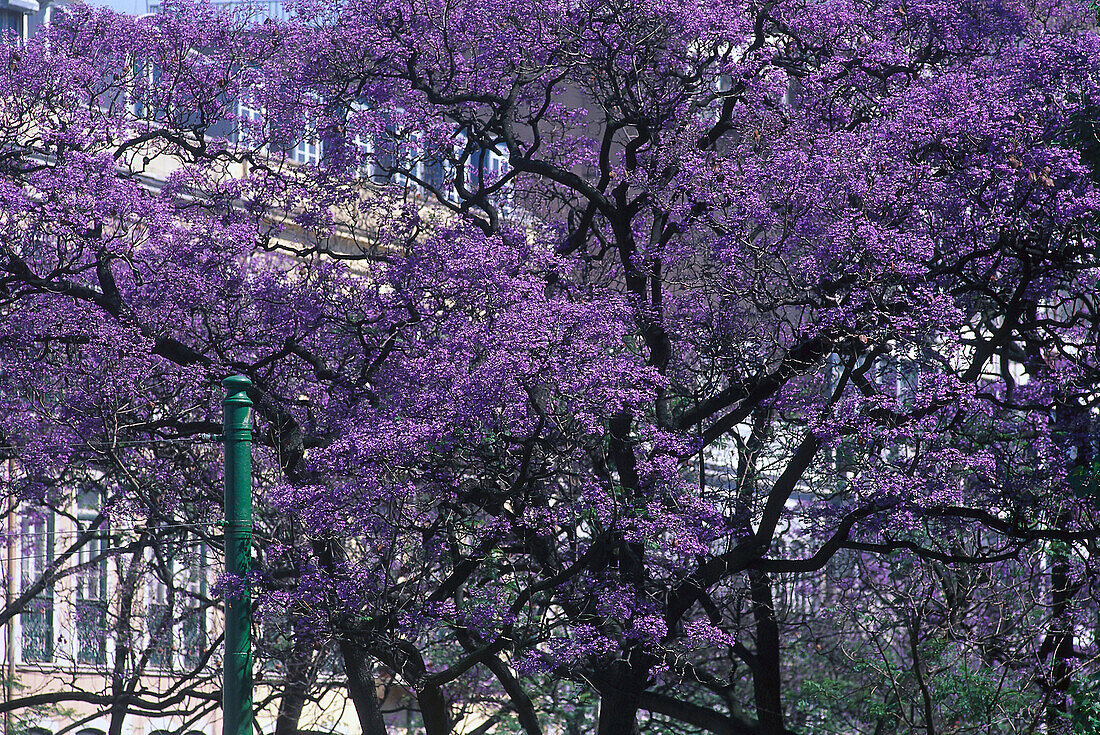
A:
687,366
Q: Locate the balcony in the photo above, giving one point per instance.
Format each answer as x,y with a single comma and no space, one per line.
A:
256,11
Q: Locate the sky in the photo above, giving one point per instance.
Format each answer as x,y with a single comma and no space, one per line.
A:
133,7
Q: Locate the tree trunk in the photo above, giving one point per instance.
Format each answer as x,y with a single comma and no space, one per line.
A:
1060,637
434,711
357,668
295,691
1074,425
618,711
121,685
766,680
362,688
525,708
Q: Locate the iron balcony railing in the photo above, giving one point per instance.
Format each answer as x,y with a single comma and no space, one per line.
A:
255,9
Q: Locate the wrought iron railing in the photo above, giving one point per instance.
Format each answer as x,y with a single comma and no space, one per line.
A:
254,9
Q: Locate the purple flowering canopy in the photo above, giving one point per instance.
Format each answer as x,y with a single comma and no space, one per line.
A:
731,364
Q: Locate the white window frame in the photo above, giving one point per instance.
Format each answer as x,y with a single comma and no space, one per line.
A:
91,583
35,551
250,122
189,581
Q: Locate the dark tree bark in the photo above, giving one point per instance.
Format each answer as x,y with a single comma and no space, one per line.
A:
621,694
618,712
123,681
1075,429
123,644
434,711
295,690
927,710
361,688
1059,642
766,680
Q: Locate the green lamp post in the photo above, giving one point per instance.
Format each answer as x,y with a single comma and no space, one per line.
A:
237,438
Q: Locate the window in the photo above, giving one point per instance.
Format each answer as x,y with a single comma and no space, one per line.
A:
158,618
250,122
909,378
175,613
193,618
36,620
308,149
434,173
253,11
143,94
364,151
159,94
486,167
429,165
391,151
886,374
386,155
305,146
274,643
11,21
91,583
55,14
493,165
794,88
251,134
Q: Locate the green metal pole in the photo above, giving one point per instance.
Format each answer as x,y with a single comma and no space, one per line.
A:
237,436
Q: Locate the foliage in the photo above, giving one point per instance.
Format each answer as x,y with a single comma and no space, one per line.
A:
756,369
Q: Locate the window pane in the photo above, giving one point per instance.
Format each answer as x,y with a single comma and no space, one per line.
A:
91,583
36,621
91,632
193,616
159,616
11,20
194,636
